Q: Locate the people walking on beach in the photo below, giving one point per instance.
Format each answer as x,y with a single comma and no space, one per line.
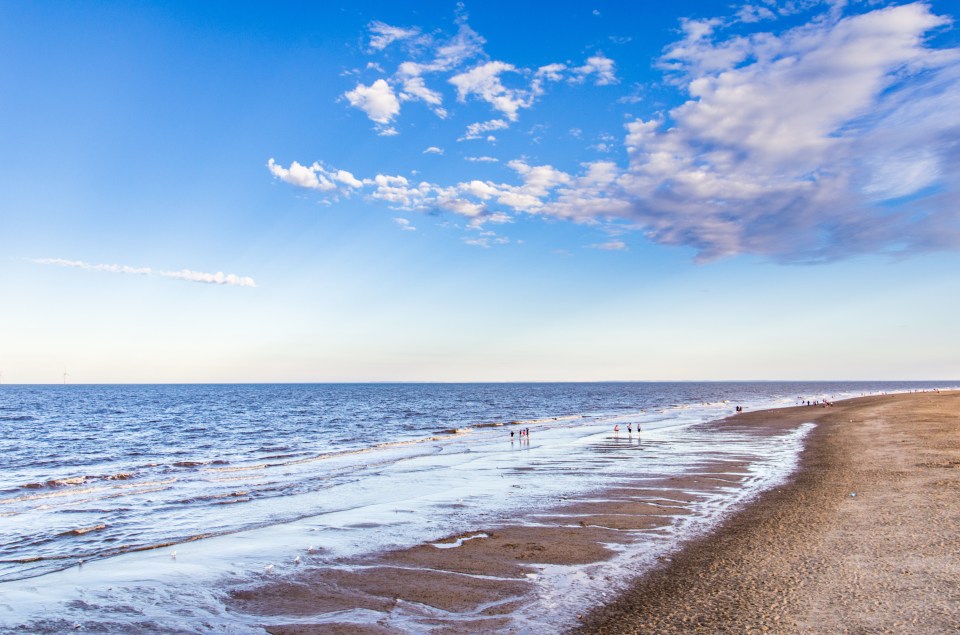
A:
616,428
629,429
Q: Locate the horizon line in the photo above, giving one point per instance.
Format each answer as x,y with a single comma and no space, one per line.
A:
442,382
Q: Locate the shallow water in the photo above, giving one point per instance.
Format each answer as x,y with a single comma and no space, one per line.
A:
113,494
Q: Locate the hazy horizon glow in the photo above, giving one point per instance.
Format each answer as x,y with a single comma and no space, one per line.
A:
459,192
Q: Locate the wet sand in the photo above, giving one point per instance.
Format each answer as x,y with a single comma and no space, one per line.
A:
806,557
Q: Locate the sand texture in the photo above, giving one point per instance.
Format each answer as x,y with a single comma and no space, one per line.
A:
864,539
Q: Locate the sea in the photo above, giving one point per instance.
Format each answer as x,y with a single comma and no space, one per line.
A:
136,508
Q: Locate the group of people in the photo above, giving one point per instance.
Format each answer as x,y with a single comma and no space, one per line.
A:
525,432
616,428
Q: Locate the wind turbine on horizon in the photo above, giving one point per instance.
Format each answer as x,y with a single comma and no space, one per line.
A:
65,375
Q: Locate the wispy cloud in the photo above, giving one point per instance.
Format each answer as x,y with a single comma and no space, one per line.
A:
219,277
405,224
478,130
612,245
209,278
382,35
61,262
486,239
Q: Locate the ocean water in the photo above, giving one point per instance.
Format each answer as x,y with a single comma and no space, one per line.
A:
133,507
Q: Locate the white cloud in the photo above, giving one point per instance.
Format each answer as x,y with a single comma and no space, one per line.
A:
433,150
540,179
414,89
476,130
466,44
405,224
312,177
600,66
432,55
377,100
79,264
901,175
754,13
184,274
612,245
483,159
485,239
397,191
635,96
835,137
780,156
209,278
697,54
347,179
382,35
484,82
316,177
480,189
552,72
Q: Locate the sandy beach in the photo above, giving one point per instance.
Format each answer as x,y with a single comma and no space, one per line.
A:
862,539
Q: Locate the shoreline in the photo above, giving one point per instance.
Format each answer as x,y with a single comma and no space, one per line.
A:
487,584
543,557
863,538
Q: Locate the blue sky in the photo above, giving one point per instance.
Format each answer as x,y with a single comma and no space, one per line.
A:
437,191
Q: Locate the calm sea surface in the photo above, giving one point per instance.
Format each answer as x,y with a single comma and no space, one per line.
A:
90,473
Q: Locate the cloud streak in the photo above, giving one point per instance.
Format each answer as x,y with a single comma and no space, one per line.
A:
218,278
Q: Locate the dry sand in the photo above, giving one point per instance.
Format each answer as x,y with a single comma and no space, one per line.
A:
807,557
